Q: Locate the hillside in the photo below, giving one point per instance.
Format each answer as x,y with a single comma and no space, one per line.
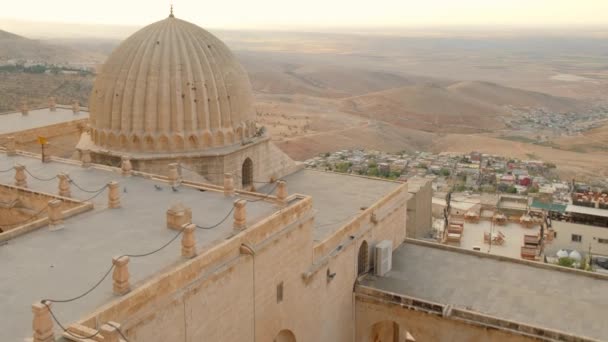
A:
429,108
38,87
498,95
13,46
324,81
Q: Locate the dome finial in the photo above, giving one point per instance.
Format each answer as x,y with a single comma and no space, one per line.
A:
171,13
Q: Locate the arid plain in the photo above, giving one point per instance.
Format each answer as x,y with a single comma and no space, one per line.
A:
515,93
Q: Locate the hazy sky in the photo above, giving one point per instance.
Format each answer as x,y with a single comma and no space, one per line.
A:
316,13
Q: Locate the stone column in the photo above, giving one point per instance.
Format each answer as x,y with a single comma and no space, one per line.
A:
24,108
11,149
52,104
228,184
20,176
113,195
126,166
174,178
188,241
76,107
64,185
120,276
85,158
55,215
240,214
282,192
42,324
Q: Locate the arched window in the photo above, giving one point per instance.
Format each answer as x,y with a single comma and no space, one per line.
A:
247,173
285,336
363,259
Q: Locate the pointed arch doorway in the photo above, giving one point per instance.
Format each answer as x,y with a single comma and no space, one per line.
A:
247,174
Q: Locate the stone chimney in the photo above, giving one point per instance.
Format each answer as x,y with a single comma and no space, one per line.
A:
120,285
42,323
64,185
240,214
20,176
52,104
228,184
24,108
188,241
126,166
76,107
113,195
178,215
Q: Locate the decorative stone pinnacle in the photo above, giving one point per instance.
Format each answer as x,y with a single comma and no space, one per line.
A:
171,13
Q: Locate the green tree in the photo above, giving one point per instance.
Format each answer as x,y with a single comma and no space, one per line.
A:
444,172
566,262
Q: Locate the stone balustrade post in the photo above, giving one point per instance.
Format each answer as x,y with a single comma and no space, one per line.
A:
42,323
11,148
174,178
85,158
120,277
55,215
76,107
178,215
113,195
126,166
64,185
189,241
282,191
109,332
228,184
240,214
52,104
25,109
20,176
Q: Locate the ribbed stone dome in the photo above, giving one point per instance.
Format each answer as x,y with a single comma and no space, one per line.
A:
171,87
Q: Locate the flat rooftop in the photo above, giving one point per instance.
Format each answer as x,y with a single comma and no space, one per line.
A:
472,236
553,299
336,197
36,118
578,209
65,263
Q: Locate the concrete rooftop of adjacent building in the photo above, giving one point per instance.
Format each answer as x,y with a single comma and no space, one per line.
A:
36,118
472,236
514,291
65,263
337,198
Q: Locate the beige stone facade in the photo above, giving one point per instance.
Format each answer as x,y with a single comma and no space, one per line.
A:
419,210
268,163
241,279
